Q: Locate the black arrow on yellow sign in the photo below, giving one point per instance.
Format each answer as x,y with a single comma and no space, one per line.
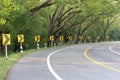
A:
37,38
21,38
7,39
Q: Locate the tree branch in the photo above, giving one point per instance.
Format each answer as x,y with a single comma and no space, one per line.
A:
45,4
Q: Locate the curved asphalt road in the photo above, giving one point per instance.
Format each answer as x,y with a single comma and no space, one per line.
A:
95,61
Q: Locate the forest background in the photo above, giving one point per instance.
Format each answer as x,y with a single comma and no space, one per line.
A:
84,20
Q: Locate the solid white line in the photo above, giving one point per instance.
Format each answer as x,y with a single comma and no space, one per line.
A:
50,67
110,48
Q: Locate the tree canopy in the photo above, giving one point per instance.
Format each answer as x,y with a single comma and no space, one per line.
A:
82,19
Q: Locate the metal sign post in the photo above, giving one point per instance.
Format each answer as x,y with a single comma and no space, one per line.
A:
37,40
84,41
6,53
80,38
97,38
38,46
45,45
61,38
61,43
21,47
70,39
21,40
52,44
6,41
89,39
52,40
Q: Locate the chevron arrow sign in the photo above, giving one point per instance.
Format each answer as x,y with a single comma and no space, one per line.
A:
52,38
6,39
37,38
21,38
61,38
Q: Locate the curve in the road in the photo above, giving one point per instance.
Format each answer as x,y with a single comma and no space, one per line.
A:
49,64
50,67
97,62
110,48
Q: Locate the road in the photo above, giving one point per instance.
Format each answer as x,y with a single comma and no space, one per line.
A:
93,61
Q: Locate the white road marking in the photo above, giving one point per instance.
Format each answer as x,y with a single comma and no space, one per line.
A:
50,67
97,62
110,48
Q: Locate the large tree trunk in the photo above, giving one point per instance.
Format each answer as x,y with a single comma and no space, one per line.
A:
77,40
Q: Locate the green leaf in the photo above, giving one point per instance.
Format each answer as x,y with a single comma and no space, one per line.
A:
2,21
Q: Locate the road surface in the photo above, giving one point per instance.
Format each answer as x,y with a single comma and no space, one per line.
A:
93,61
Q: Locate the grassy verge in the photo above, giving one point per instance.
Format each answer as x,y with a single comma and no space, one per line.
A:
6,64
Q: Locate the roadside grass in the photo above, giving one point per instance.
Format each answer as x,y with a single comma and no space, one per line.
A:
5,65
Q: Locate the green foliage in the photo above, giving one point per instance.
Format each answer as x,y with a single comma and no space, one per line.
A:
6,7
15,18
114,31
83,18
6,64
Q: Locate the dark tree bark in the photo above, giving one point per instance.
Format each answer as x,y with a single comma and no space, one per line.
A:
59,20
44,5
106,25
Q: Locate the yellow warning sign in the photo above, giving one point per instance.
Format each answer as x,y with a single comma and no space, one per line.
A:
61,38
80,37
20,38
37,38
52,38
107,37
70,38
6,39
98,37
89,37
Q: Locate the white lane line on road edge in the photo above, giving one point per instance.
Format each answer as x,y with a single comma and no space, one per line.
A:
50,67
110,48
